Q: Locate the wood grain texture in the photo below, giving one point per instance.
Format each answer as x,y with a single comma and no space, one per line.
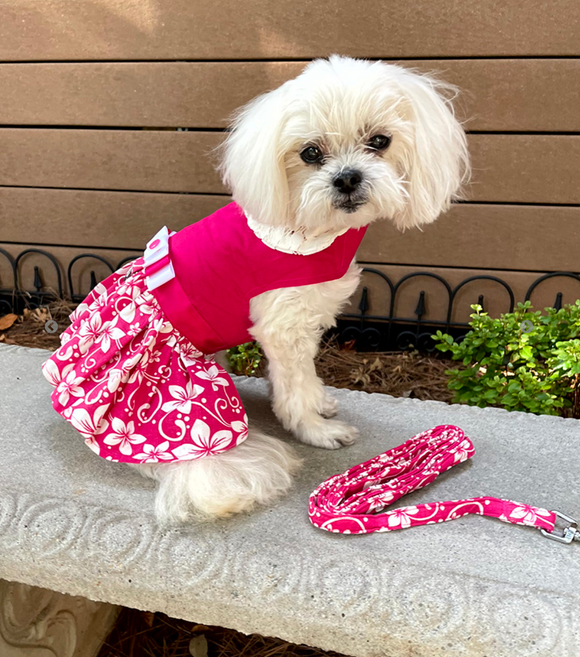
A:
470,235
497,95
525,168
97,219
144,160
506,168
259,29
484,236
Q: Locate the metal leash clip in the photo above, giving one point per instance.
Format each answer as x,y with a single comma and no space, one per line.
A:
568,534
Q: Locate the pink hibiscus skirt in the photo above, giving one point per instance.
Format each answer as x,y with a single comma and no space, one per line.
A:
134,387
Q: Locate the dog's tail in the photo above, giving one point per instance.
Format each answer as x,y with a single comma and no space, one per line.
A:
258,471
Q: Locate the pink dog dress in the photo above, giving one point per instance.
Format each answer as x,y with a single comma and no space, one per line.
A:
134,373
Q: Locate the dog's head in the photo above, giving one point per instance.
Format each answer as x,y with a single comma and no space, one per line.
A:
347,142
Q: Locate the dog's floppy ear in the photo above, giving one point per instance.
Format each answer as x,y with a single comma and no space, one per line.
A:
436,161
252,158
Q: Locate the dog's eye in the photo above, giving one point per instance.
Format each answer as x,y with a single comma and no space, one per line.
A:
379,142
312,155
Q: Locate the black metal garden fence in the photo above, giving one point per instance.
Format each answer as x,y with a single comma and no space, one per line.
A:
366,331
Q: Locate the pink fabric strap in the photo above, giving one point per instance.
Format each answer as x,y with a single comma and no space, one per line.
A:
354,502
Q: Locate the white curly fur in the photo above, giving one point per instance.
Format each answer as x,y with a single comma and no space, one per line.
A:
257,471
337,105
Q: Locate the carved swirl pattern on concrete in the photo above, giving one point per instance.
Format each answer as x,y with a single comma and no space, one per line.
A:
529,625
50,527
269,573
431,605
7,511
31,618
196,557
436,607
124,538
35,622
350,585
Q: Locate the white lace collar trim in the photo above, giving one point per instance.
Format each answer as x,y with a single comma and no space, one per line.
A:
291,241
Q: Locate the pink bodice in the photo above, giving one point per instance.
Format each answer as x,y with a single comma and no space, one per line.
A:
218,265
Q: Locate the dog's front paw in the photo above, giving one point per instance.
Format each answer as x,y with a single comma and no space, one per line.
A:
328,434
329,406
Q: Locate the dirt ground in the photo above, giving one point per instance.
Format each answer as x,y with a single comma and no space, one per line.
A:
141,634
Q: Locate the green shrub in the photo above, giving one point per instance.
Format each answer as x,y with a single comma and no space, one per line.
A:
523,361
245,358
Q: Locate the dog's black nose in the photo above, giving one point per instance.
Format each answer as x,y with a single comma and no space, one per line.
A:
347,181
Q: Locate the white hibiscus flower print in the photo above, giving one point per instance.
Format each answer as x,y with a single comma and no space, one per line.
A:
139,366
213,374
387,497
69,386
99,290
166,327
52,372
128,312
241,428
124,435
89,424
89,331
108,333
66,382
114,379
402,517
100,298
93,444
152,454
146,308
129,289
462,452
78,311
134,329
204,443
64,353
189,354
528,515
182,397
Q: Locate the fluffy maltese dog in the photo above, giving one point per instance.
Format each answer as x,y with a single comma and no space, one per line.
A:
346,143
310,166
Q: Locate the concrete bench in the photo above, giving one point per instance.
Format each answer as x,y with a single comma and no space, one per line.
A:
73,523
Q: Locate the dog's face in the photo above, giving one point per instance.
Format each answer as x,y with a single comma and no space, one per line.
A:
345,143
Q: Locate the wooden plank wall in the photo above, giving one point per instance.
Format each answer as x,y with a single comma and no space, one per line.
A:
93,92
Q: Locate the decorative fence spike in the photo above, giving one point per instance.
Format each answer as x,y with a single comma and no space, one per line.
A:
385,330
421,308
37,279
364,306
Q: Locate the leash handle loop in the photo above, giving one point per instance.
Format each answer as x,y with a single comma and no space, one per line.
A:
356,501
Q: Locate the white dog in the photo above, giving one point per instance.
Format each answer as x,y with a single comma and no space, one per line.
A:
345,143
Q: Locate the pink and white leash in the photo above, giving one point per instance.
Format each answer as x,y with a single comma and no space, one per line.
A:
354,502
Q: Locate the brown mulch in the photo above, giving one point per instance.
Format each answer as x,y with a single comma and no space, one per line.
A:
142,634
400,373
34,327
